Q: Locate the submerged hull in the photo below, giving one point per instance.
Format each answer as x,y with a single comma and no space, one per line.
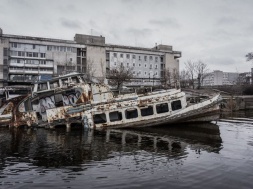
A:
207,113
94,106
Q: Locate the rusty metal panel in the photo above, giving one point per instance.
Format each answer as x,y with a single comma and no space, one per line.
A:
63,113
101,93
28,118
21,118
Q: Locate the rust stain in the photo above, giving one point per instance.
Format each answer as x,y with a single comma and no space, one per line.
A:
21,118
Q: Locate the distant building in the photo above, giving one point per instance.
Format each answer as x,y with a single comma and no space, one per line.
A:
25,59
245,78
218,77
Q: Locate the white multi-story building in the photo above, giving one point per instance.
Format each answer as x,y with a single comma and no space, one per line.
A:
25,59
218,77
148,65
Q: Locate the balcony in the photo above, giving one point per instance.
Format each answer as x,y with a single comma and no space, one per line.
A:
45,72
27,57
30,72
17,64
32,65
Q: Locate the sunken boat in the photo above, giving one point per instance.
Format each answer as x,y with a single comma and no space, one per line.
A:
70,100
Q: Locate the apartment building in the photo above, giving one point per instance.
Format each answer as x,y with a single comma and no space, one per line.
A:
148,64
218,77
25,59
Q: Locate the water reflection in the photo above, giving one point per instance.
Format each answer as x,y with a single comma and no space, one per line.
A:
58,148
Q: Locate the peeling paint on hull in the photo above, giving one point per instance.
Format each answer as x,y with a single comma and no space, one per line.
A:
94,106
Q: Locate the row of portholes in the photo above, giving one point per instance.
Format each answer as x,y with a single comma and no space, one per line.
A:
133,112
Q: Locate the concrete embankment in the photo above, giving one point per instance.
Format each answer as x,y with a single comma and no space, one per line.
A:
237,120
243,102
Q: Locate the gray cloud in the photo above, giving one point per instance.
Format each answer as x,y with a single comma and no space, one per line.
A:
168,22
72,24
227,21
140,32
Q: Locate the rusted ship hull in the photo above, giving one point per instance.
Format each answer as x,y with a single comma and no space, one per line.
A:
69,100
12,116
207,113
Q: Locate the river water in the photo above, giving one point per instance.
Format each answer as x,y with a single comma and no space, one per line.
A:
213,155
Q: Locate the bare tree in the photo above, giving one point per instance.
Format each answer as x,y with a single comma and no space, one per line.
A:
202,72
117,76
184,79
196,70
175,78
167,78
190,68
171,78
249,56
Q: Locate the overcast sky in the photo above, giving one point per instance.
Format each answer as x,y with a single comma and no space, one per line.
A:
218,32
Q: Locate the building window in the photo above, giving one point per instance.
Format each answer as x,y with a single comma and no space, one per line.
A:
42,55
133,56
35,54
156,59
128,56
121,55
151,66
5,62
161,58
162,66
145,58
14,45
5,51
150,57
115,55
29,54
139,57
49,48
127,64
133,64
115,63
145,73
18,61
145,65
34,46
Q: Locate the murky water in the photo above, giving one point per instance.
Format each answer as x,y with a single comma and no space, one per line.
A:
182,156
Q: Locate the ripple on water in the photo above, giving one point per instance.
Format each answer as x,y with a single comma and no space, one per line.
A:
203,156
